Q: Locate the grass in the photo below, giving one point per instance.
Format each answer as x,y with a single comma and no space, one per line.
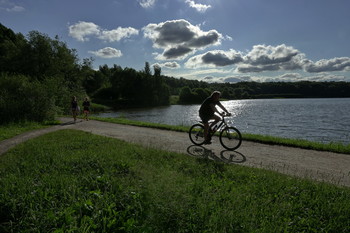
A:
12,129
72,181
99,107
300,143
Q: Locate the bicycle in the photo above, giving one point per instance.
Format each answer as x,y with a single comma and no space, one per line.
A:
230,137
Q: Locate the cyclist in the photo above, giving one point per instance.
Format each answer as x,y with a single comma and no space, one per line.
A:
207,112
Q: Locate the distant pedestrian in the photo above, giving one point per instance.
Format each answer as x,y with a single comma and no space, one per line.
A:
86,105
75,108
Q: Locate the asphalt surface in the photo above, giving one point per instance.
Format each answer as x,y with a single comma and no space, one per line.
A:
310,164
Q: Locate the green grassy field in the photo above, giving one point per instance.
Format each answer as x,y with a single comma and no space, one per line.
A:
72,181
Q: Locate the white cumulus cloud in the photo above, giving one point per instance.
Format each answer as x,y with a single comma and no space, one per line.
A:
118,34
147,3
107,52
199,7
179,38
82,30
170,65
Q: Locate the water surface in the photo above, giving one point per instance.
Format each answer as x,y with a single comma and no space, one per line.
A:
321,120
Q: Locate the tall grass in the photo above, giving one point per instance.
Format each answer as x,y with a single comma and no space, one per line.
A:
72,181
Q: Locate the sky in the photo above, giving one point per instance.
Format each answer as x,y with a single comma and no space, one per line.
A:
208,40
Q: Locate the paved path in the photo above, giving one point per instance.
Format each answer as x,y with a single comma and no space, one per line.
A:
322,166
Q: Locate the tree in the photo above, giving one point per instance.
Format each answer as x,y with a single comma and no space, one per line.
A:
147,69
185,95
157,70
11,46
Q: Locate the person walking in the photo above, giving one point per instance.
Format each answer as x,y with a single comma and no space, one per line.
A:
86,108
75,108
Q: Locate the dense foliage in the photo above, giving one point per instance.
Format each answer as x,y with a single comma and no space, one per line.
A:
39,75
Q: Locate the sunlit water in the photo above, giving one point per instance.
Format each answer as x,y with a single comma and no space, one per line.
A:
321,120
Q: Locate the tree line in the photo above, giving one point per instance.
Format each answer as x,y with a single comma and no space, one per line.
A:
39,75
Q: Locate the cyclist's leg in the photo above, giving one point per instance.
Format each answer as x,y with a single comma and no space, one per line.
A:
216,119
205,120
206,131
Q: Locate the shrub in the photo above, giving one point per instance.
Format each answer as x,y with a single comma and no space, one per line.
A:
22,99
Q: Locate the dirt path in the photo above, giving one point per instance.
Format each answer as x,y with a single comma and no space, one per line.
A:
322,166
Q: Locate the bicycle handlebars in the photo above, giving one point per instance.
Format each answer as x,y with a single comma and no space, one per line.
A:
224,114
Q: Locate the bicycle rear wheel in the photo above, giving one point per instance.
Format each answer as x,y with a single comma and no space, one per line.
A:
196,134
230,138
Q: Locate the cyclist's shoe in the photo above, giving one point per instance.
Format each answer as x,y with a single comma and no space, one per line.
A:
207,142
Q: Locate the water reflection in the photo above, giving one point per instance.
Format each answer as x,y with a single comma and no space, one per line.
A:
322,120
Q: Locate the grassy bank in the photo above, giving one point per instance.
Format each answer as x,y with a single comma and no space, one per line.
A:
13,129
72,181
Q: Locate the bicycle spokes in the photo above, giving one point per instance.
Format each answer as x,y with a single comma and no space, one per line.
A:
197,134
230,138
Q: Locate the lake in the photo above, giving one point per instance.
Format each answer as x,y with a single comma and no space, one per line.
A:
320,120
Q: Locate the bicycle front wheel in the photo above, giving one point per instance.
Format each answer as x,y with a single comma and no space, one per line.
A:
230,138
196,134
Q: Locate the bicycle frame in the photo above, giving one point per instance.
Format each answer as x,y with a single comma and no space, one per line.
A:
221,124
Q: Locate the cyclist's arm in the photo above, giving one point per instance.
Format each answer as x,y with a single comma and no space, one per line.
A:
223,108
212,106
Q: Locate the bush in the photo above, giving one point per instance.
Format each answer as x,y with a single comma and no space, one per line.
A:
22,99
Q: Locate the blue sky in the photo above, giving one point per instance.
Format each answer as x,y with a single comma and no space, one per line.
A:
209,40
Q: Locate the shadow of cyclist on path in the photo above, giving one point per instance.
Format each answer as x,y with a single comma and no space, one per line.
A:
226,156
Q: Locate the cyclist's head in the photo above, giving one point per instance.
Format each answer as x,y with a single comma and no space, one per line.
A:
216,94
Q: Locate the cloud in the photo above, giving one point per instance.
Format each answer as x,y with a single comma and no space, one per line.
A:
82,30
272,58
267,55
230,79
174,53
179,38
288,77
147,3
267,58
260,58
15,9
199,7
107,52
170,65
10,7
117,34
237,79
216,58
327,78
219,58
335,64
297,77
